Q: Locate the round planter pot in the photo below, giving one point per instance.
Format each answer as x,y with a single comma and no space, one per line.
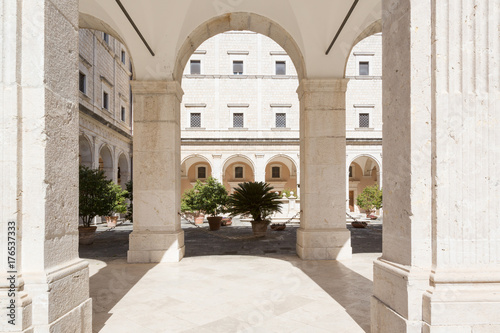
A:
111,221
86,235
199,219
278,227
357,224
214,222
226,221
260,228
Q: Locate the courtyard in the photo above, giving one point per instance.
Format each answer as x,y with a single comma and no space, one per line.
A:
231,285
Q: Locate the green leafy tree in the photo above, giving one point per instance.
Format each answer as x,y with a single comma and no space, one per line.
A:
130,196
255,199
92,203
191,200
115,198
98,196
370,199
212,196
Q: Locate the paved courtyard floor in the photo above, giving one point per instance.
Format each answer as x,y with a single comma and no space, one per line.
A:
231,285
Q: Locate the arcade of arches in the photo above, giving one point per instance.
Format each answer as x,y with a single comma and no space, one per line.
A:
441,234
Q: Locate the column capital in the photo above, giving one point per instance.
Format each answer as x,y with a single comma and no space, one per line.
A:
157,87
322,85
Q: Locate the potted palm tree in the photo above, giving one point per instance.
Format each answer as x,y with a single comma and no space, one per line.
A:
212,199
257,200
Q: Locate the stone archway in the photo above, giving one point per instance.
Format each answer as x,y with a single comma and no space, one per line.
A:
106,162
123,172
193,168
322,107
85,151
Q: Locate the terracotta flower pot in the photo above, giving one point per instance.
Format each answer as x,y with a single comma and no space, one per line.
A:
199,219
111,221
214,222
260,228
357,224
86,235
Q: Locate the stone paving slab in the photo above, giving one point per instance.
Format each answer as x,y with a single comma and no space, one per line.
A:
114,243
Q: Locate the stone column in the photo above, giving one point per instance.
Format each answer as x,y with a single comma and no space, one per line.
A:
217,167
157,234
440,268
465,281
260,168
323,233
39,169
401,275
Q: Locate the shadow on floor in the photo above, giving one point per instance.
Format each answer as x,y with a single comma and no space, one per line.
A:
109,285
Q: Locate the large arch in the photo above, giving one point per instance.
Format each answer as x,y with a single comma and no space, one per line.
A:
123,171
239,21
106,161
85,151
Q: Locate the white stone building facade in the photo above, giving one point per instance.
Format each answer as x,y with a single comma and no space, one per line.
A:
105,140
240,114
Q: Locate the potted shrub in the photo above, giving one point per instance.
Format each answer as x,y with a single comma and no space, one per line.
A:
191,204
257,200
114,197
92,185
212,197
130,196
370,199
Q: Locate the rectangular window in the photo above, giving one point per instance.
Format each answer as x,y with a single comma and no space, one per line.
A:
105,37
202,172
364,120
238,120
275,170
280,120
105,100
350,172
238,172
195,119
122,115
123,57
83,83
280,68
237,67
195,67
364,68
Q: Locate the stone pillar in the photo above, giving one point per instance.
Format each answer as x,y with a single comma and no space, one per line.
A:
323,233
217,167
260,168
465,281
401,275
39,169
157,234
440,268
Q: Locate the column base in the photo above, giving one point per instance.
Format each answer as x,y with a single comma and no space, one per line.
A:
146,247
60,298
21,319
463,301
324,244
396,304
